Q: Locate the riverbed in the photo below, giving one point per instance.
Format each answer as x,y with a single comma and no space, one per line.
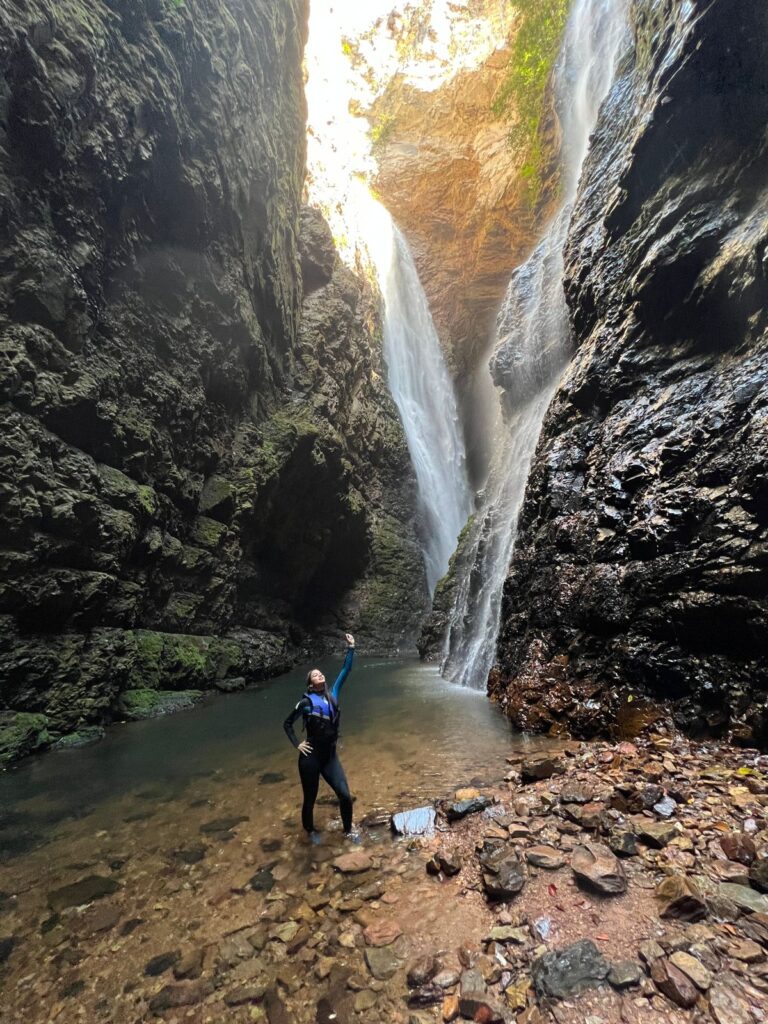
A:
178,813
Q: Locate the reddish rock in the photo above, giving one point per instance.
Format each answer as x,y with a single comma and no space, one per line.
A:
739,847
596,867
671,981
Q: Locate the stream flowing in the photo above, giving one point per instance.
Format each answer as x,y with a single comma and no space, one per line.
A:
531,349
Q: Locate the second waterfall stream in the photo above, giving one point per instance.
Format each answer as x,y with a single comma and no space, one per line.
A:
531,349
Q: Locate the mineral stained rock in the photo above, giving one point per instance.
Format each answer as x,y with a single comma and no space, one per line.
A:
640,562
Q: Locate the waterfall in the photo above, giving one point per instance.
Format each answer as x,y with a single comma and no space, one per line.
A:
422,389
532,347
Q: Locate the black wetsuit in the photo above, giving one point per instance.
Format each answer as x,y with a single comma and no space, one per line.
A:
322,734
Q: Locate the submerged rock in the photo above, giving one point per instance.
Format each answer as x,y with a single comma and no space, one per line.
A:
94,887
461,808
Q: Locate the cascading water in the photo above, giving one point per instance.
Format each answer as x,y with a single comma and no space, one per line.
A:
531,350
423,392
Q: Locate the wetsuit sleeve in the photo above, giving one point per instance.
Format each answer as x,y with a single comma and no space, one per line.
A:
346,668
297,713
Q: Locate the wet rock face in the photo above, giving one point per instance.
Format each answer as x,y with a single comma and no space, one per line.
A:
181,507
640,560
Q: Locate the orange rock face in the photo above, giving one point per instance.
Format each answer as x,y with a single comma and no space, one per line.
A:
452,182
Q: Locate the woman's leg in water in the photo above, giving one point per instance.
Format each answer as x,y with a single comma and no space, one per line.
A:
309,773
334,775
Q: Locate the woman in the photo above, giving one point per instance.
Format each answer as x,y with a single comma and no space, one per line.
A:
319,708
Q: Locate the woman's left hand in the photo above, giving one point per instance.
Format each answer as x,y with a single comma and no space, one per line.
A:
350,640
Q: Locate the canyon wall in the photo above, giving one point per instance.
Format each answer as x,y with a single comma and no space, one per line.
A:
641,565
201,472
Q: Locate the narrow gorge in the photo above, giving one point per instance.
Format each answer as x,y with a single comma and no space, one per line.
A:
440,326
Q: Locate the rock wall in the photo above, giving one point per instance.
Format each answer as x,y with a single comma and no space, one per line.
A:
184,466
641,563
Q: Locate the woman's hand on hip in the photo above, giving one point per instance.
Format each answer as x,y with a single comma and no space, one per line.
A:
304,747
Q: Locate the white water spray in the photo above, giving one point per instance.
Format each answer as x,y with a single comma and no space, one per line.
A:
422,389
531,350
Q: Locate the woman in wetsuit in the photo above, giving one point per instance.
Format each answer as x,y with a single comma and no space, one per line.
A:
319,707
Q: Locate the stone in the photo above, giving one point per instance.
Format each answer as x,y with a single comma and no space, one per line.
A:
516,993
577,793
666,807
382,933
625,974
503,878
221,825
184,994
680,899
672,983
384,961
94,887
365,1000
99,918
657,833
353,863
422,971
461,808
622,842
744,898
692,968
449,862
739,847
567,972
242,994
446,978
420,821
727,1003
595,867
758,874
262,881
508,933
450,1010
190,965
161,963
650,950
426,995
540,766
544,857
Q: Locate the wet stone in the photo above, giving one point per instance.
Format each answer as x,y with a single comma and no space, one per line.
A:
190,854
595,867
422,970
93,887
384,961
222,825
419,821
190,965
353,863
161,963
540,767
6,947
461,808
262,881
569,971
426,995
131,925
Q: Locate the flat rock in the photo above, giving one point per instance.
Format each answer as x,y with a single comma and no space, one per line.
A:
692,968
744,898
419,821
727,1003
597,868
161,963
222,824
569,971
545,857
577,793
183,994
622,842
672,983
353,863
94,887
382,933
262,881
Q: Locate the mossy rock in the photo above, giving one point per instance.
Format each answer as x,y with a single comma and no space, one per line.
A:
135,705
22,733
208,533
80,738
218,499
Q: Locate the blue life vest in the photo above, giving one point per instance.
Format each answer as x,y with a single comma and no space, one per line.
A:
322,707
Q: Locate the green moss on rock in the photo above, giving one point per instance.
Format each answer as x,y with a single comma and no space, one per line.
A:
21,733
135,705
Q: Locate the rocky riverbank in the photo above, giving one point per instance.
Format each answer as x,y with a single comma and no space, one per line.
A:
608,883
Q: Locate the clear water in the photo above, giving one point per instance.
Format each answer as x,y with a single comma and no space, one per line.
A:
531,350
407,737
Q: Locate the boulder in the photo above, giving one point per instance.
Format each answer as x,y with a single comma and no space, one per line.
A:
671,981
569,971
680,899
419,821
461,808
